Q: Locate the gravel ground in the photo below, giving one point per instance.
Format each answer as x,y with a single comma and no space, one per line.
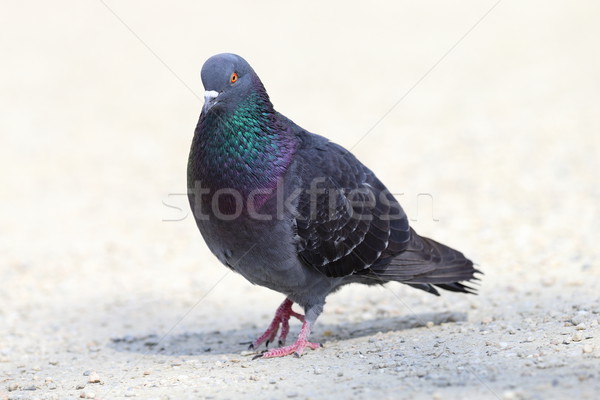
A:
107,290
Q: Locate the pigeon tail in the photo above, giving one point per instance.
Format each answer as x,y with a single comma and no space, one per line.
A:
426,263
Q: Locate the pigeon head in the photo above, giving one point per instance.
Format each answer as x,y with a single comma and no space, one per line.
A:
228,80
240,141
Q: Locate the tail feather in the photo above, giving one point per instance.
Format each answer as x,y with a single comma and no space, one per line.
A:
426,263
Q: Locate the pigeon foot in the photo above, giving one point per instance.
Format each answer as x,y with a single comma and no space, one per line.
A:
296,349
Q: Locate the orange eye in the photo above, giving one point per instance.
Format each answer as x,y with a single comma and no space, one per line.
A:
233,78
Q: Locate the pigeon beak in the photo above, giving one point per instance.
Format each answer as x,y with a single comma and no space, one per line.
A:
210,99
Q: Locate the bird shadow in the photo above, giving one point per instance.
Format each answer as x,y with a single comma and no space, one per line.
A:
235,341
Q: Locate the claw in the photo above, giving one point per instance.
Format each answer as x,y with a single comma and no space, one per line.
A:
251,347
260,355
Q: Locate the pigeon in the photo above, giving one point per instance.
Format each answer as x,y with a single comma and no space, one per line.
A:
296,213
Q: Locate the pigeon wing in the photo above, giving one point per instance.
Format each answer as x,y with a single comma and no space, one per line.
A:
346,219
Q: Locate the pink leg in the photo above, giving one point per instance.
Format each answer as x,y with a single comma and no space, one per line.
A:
296,349
282,316
285,326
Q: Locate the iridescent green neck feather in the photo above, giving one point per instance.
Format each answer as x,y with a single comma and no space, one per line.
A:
243,147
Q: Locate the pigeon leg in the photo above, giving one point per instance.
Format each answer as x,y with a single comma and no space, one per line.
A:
282,316
285,325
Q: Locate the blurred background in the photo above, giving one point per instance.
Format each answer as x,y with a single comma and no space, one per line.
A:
494,151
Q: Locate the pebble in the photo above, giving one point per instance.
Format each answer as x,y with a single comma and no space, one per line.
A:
577,337
87,395
548,281
13,386
80,386
588,348
509,395
94,378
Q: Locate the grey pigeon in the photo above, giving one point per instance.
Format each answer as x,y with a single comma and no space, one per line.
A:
296,213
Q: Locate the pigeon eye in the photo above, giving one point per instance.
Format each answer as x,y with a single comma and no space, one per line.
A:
233,78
